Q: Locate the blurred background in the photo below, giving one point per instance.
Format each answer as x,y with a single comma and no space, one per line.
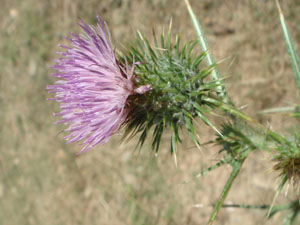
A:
41,179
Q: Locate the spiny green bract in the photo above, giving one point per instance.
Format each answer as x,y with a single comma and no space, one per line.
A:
179,93
240,138
288,159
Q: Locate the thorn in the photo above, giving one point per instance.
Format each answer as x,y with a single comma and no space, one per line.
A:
139,33
175,159
279,8
170,26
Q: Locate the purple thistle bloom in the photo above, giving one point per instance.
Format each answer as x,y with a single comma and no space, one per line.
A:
93,87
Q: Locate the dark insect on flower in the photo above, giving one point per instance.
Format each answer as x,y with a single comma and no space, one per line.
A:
93,87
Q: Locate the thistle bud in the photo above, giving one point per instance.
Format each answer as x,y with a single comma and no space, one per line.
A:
177,93
287,159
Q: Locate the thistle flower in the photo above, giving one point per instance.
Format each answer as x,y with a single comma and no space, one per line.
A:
93,87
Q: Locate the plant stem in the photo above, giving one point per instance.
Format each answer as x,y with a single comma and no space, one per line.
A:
236,167
275,208
217,165
290,219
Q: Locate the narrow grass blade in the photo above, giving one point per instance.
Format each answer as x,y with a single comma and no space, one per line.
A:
279,110
173,144
215,75
294,59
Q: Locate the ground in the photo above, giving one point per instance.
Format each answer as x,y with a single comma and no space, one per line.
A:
42,181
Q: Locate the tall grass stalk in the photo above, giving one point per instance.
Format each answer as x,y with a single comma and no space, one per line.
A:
290,47
215,75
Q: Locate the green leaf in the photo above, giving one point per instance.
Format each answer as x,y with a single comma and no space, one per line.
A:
291,49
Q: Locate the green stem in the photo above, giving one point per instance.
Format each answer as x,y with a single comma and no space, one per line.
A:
217,165
275,208
290,219
236,167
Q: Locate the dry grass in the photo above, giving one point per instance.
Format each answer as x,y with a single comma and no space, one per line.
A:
41,180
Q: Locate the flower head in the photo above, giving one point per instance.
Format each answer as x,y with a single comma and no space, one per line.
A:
288,159
93,87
